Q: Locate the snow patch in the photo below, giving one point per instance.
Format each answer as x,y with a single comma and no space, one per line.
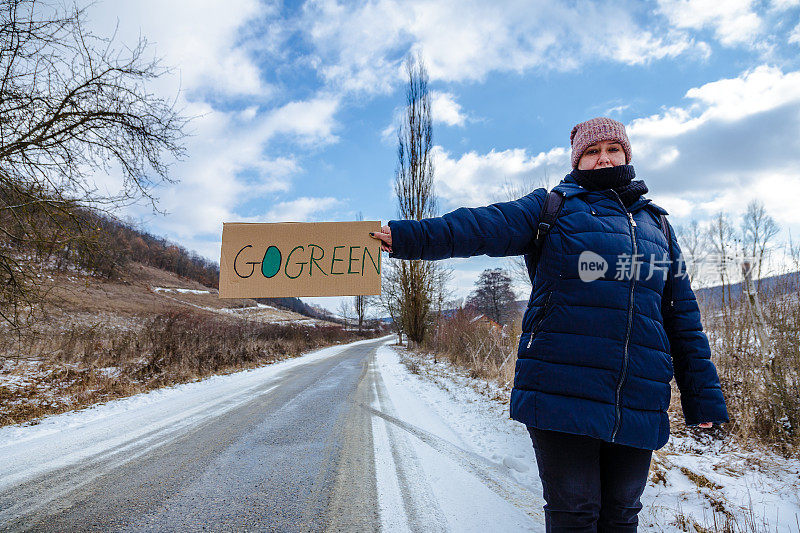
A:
183,291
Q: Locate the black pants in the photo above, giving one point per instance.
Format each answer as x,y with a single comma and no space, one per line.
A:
589,484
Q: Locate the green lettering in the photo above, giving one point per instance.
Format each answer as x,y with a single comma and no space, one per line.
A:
350,264
314,260
372,259
333,259
288,258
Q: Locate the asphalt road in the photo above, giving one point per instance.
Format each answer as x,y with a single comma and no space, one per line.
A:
296,456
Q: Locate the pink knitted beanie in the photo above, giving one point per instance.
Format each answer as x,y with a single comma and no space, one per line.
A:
595,130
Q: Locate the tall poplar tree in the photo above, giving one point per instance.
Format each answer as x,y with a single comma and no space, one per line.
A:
415,197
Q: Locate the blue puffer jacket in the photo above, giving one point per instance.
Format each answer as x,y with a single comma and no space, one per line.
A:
595,357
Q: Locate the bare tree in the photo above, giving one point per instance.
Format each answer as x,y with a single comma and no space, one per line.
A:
758,229
440,300
694,245
792,252
493,295
415,197
723,241
71,104
391,296
512,191
360,302
360,310
345,312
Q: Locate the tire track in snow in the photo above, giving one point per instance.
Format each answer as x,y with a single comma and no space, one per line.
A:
422,509
491,474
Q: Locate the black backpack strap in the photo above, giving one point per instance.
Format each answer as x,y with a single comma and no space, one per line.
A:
550,210
547,218
662,219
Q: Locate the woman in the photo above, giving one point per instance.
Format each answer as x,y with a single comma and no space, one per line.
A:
597,353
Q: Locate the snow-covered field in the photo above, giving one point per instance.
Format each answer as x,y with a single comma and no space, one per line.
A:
691,482
262,312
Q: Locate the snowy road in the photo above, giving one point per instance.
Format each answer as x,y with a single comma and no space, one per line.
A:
341,439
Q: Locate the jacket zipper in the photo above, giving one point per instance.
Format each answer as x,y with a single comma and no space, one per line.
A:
541,318
618,402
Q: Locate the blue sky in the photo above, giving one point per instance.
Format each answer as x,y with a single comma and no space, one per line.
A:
296,103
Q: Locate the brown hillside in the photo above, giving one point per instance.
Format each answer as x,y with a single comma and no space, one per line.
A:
144,291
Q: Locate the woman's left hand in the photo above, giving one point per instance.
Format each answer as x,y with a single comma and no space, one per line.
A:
705,425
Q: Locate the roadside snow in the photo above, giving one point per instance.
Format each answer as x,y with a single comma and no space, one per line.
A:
446,454
711,482
695,482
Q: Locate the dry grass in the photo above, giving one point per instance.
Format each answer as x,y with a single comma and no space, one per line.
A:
90,364
132,295
761,384
721,523
488,352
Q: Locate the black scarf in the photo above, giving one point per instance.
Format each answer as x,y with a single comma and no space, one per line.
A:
619,178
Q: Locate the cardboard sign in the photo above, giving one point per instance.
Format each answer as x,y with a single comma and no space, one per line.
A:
299,259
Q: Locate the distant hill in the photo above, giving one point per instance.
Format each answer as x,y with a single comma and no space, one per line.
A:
713,295
772,284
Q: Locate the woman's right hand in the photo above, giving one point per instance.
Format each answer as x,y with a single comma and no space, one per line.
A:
385,236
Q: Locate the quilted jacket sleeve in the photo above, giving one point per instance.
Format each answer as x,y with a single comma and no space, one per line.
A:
501,229
701,394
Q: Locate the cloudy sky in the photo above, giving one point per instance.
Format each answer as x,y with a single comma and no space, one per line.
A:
295,103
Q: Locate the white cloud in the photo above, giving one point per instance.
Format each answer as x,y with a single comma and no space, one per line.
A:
228,165
359,46
300,209
755,91
227,160
389,133
221,149
782,5
734,200
794,37
729,128
735,140
201,38
445,109
616,110
311,121
479,179
733,21
679,206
